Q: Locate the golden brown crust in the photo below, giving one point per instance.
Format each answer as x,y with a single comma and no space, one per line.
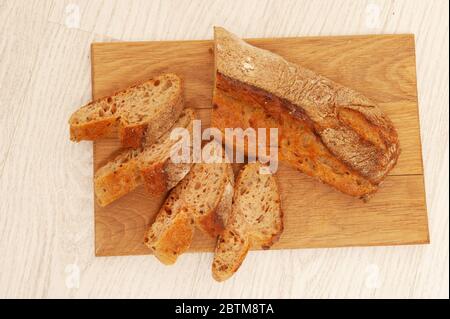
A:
174,240
100,117
223,270
299,145
131,135
116,183
92,130
150,165
205,196
351,127
155,178
210,224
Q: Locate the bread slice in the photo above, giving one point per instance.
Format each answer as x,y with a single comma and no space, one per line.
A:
203,199
142,113
256,220
325,130
150,165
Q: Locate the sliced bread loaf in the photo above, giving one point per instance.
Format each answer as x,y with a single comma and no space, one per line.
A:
256,220
203,199
326,130
150,165
142,113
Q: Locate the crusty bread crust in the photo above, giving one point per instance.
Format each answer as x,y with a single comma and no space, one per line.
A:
298,144
204,195
102,116
117,178
150,166
174,240
154,178
351,127
131,135
162,176
228,260
94,129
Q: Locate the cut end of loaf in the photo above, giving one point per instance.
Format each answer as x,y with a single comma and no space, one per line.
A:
146,109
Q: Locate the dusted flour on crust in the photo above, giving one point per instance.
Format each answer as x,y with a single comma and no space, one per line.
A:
325,129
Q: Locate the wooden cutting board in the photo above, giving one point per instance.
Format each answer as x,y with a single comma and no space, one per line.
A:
381,67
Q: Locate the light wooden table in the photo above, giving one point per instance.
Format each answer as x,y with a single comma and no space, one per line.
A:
46,216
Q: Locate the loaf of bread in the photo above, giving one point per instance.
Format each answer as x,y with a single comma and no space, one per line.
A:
141,113
256,220
202,199
325,130
149,165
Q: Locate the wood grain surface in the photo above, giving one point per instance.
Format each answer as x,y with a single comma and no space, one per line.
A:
46,195
381,67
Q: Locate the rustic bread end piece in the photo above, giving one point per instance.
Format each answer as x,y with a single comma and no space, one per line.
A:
203,198
142,113
94,120
133,166
256,220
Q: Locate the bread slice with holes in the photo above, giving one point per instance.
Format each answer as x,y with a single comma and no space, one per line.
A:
326,130
201,200
256,220
141,113
150,165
